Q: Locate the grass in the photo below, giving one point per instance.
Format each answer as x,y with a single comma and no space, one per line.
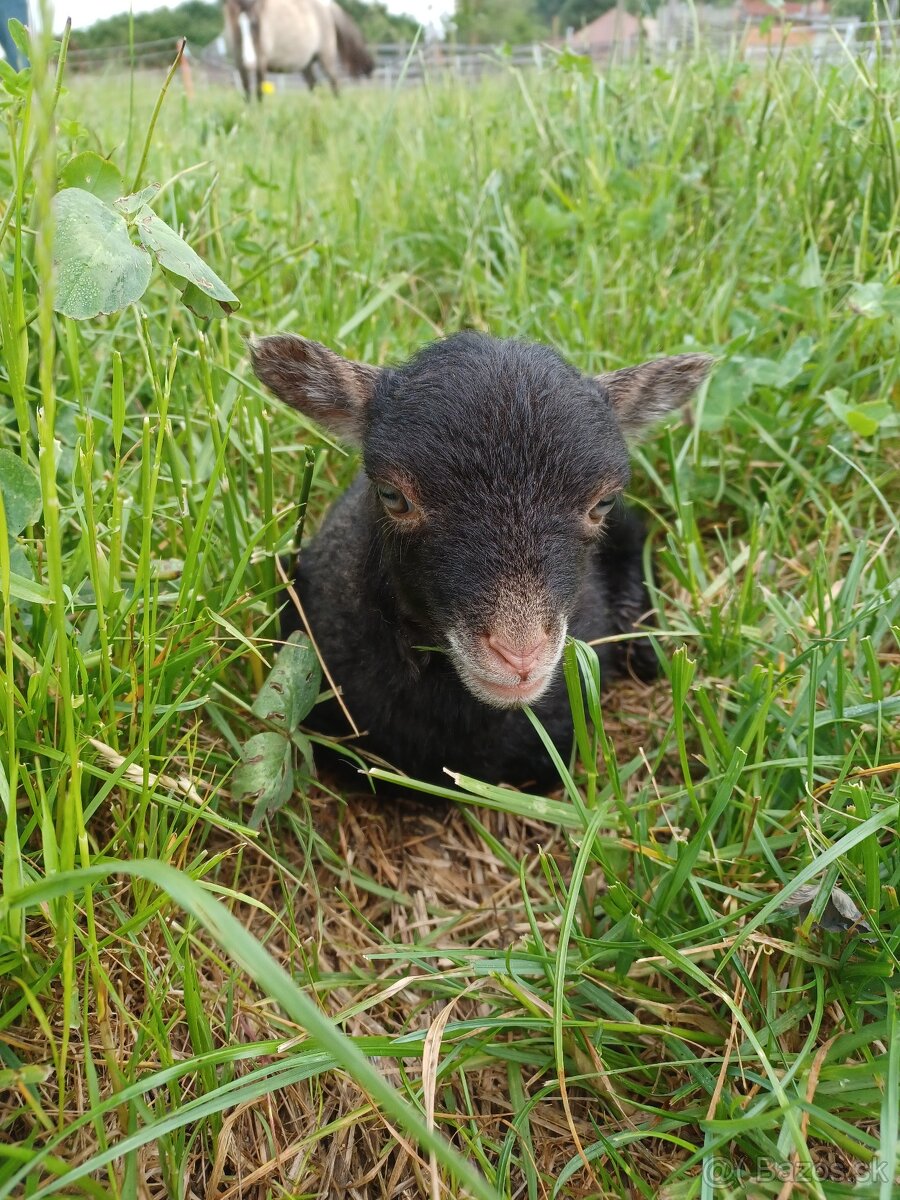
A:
594,993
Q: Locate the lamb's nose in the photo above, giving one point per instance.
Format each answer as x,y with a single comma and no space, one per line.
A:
522,658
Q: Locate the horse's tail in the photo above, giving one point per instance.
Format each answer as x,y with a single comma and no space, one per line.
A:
351,47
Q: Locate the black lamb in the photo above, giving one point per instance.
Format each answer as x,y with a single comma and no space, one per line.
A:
485,526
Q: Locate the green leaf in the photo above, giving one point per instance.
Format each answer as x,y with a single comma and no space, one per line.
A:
575,64
865,418
875,299
779,372
728,389
135,201
200,304
810,276
94,174
21,492
304,745
23,588
292,685
549,220
19,35
98,268
14,82
265,775
14,1078
177,258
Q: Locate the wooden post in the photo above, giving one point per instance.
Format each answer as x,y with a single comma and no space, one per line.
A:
187,77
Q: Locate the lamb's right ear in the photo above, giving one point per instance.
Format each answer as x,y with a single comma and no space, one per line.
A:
317,382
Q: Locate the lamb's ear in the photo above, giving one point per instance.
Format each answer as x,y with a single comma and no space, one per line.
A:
317,382
641,395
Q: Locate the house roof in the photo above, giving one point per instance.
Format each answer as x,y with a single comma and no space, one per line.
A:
790,8
615,25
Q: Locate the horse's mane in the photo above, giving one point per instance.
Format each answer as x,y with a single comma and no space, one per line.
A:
350,44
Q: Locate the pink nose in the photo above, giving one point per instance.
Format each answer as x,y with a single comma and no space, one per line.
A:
522,659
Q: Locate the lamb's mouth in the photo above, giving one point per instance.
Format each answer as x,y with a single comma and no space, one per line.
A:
512,692
509,695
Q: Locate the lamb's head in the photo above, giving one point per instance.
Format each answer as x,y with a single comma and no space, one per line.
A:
493,465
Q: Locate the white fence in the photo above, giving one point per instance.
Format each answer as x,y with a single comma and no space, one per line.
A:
815,37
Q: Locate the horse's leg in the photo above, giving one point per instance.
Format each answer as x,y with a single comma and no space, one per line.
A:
256,31
244,72
235,36
328,63
327,53
309,75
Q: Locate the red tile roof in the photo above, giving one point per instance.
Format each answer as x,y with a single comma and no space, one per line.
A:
615,25
790,8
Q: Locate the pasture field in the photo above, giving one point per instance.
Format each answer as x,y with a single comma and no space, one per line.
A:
603,992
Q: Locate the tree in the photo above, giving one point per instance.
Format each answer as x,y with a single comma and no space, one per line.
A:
196,20
377,24
866,10
572,13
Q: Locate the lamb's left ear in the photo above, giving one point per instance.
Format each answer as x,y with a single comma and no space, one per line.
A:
331,390
641,395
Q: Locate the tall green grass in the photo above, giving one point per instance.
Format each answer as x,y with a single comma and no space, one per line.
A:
656,1006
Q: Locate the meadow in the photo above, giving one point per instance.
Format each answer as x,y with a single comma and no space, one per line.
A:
611,990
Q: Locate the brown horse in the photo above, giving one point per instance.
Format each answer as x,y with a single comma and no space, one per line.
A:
293,35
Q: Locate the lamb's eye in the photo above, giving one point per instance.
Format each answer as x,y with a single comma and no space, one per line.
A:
394,501
599,510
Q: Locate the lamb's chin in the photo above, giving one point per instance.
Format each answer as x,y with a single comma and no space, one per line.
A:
503,695
518,696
